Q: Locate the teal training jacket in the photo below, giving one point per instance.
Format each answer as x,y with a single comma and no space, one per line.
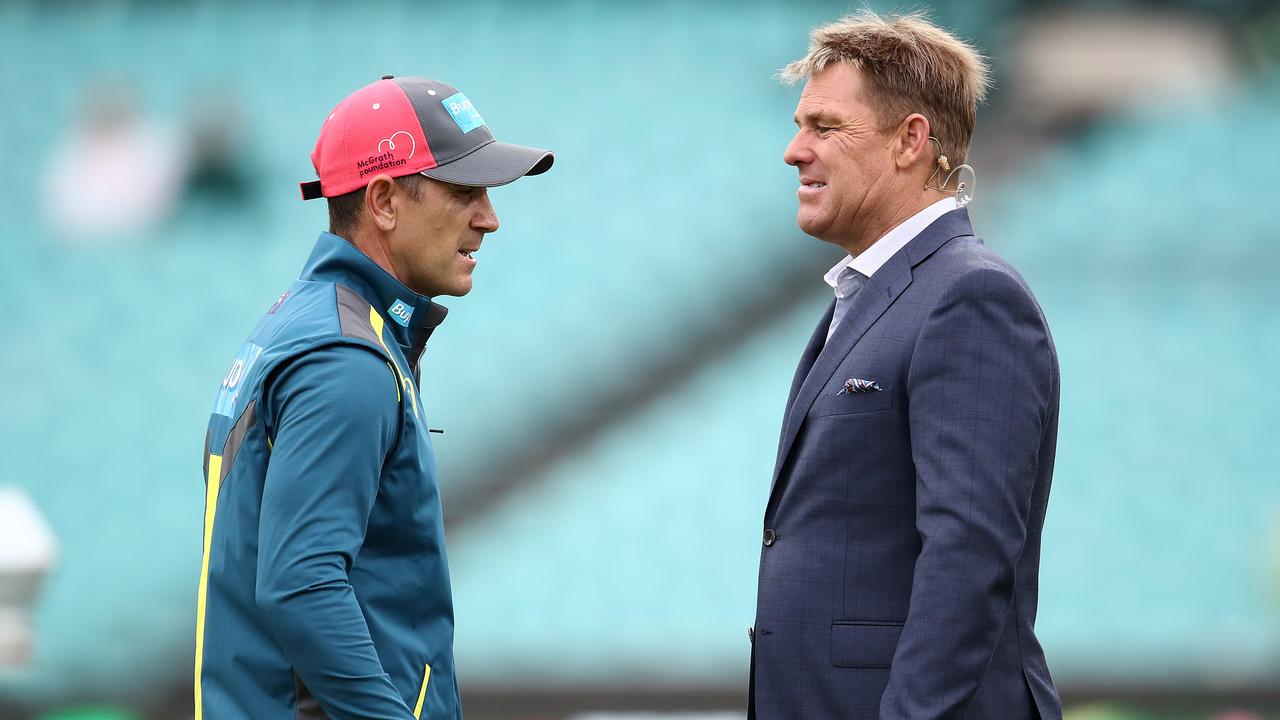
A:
324,586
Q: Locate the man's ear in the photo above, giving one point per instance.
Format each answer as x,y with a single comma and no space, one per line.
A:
380,202
914,149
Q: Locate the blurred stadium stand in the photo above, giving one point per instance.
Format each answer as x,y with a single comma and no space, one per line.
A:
612,390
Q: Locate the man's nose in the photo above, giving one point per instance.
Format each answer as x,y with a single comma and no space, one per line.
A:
486,218
798,151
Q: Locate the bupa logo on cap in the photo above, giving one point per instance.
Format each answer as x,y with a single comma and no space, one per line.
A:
463,112
401,312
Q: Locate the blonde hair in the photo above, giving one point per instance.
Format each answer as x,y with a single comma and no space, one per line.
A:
908,65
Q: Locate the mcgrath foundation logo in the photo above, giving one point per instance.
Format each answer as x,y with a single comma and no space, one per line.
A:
386,157
391,143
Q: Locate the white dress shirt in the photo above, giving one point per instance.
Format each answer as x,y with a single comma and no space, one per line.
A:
870,260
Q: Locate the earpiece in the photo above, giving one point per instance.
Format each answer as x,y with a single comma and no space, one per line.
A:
964,189
943,162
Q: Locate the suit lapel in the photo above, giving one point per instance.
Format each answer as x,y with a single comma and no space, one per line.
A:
879,293
807,359
872,300
816,342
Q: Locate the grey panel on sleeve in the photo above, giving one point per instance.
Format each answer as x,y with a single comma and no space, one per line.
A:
236,437
353,315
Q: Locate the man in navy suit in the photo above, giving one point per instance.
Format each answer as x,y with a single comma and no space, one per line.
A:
899,573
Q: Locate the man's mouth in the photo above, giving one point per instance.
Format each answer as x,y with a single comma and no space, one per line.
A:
466,254
810,188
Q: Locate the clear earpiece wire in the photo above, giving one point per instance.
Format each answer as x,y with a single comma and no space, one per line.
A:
966,185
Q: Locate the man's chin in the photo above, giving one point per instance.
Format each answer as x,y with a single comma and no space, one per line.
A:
457,288
813,227
460,288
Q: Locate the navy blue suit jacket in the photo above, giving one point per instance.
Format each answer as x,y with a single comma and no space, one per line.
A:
899,575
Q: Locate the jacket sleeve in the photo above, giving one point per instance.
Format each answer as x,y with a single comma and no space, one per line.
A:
979,392
334,416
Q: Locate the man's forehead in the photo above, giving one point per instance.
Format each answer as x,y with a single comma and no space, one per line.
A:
835,83
827,102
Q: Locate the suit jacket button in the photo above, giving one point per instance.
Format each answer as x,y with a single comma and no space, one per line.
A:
770,537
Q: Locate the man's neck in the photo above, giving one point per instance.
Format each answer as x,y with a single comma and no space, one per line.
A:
874,230
374,246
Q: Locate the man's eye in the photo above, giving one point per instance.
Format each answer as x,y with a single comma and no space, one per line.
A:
824,129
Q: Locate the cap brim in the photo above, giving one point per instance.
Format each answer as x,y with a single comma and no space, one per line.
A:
496,163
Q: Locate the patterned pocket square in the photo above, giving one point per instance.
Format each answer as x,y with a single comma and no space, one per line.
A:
858,385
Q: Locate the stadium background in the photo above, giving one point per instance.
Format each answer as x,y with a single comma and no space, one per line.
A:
612,389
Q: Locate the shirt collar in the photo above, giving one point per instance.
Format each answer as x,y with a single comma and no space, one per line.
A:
874,257
411,317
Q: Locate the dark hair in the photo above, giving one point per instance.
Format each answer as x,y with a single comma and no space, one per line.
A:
345,210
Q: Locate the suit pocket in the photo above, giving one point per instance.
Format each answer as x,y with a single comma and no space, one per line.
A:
856,644
832,403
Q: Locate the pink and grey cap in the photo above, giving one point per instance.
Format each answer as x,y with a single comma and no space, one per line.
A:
401,126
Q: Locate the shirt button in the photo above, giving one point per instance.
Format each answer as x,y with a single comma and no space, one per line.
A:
770,537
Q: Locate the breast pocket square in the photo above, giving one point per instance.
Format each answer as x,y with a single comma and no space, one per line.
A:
858,385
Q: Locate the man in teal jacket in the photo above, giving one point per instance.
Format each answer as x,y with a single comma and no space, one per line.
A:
324,585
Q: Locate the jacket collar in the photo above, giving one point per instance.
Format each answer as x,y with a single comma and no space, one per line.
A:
410,317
